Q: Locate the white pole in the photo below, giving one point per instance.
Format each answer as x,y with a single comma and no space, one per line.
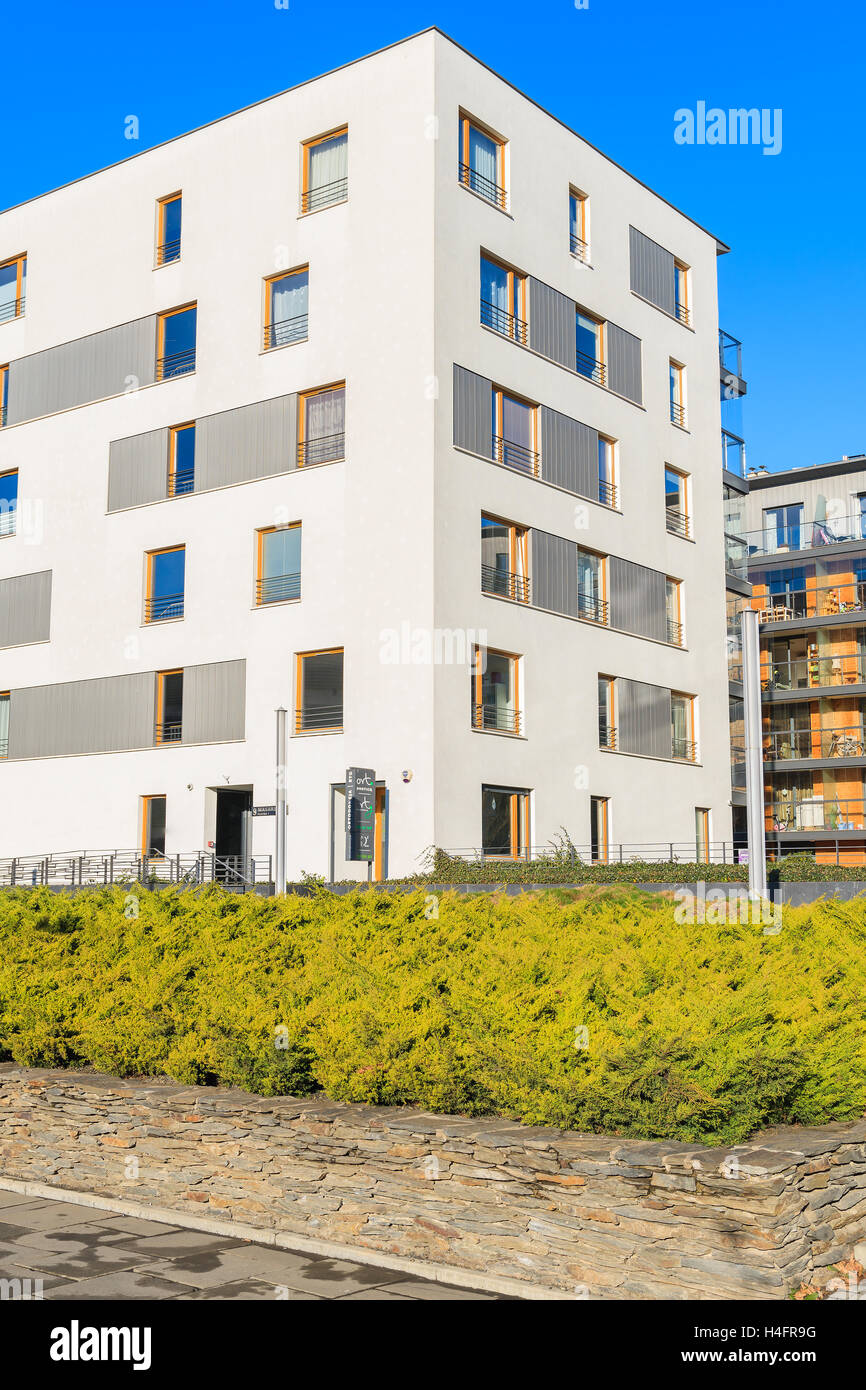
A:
280,798
754,753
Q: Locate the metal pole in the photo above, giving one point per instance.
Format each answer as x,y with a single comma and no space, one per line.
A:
754,753
280,845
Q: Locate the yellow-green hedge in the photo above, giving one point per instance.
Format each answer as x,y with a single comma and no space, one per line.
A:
455,1003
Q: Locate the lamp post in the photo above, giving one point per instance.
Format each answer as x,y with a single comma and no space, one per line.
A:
280,808
754,753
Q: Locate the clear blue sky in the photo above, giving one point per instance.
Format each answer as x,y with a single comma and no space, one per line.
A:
793,286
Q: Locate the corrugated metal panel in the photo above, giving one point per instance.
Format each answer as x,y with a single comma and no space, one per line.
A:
643,718
214,702
253,441
553,566
88,369
473,412
569,453
25,609
552,323
623,363
106,715
637,599
137,470
652,271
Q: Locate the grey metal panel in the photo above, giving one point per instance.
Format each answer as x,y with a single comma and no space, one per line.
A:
473,412
652,271
637,599
88,369
25,609
553,566
214,702
105,715
137,470
253,441
552,323
623,363
643,718
569,453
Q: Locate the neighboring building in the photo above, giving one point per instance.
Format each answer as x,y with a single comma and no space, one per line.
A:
402,413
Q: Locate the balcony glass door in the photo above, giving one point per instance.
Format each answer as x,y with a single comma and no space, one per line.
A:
783,527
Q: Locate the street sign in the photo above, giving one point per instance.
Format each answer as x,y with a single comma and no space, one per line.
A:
360,813
266,810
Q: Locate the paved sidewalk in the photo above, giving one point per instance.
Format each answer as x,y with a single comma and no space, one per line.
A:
78,1252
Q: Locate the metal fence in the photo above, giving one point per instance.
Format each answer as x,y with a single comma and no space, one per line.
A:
106,868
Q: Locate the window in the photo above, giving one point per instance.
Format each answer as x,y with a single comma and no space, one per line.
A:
322,425
13,288
4,724
677,519
495,691
165,584
4,393
504,559
681,293
677,394
607,489
168,229
503,300
319,692
783,527
176,343
702,835
592,586
325,170
505,822
606,716
589,348
683,744
599,846
482,162
286,307
8,501
515,432
578,224
278,566
673,612
153,826
181,459
169,707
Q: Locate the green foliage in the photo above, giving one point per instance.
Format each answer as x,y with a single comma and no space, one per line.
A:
560,864
462,1003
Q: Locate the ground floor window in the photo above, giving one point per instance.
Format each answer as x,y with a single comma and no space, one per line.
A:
153,825
702,835
599,828
505,822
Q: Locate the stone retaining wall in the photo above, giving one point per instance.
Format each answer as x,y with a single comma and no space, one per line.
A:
589,1215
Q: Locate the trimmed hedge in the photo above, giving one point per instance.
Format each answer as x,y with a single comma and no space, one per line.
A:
560,867
455,1003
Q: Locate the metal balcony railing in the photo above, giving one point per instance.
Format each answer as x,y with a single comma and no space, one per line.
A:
284,331
12,309
7,519
806,535
730,354
590,367
579,247
607,737
4,747
479,183
607,493
515,455
678,414
802,814
181,481
324,449
168,731
276,588
158,608
823,601
319,719
497,718
683,313
509,325
684,750
504,583
175,364
591,607
733,453
679,523
168,251
187,870
675,632
327,193
807,673
782,745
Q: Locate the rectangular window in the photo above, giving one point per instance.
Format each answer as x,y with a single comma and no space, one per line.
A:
607,489
578,224
325,170
181,459
515,432
165,584
153,826
4,393
683,746
319,692
606,715
589,348
783,528
592,586
322,425
681,293
504,559
482,163
702,835
13,288
677,394
278,575
4,724
8,501
673,611
505,823
503,300
677,519
287,307
176,343
599,846
169,707
168,229
495,691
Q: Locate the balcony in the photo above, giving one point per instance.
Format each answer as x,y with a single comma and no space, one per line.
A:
502,322
683,750
590,367
504,583
327,193
160,609
500,719
678,523
806,535
822,601
515,455
319,719
810,673
170,732
592,608
175,364
12,309
731,366
484,187
733,454
783,745
816,813
326,449
277,588
678,414
285,331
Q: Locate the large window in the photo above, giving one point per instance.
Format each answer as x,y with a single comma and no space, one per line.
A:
599,829
482,162
503,299
681,293
495,692
325,170
165,584
677,519
606,713
4,392
783,527
589,347
322,425
505,822
515,432
169,707
504,559
8,502
578,224
278,575
683,746
607,489
287,307
677,385
592,586
674,611
181,459
13,288
319,692
153,826
176,343
702,835
169,214
4,723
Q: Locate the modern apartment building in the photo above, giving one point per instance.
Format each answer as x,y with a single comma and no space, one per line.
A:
391,401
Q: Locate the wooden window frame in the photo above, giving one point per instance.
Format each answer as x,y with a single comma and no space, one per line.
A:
677,381
600,339
158,741
518,555
519,822
499,396
582,201
610,711
603,857
161,319
704,813
612,450
468,123
479,653
6,695
690,712
4,386
306,146
268,281
173,432
303,397
684,498
599,555
678,589
13,530
300,658
161,205
682,279
150,556
517,281
146,801
261,532
20,263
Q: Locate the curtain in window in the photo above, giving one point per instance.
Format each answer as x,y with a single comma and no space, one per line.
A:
679,722
289,307
322,691
282,553
588,575
494,285
483,156
329,161
325,414
516,422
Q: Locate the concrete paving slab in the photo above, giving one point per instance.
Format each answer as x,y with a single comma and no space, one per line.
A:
250,1289
40,1215
125,1283
429,1289
135,1226
177,1243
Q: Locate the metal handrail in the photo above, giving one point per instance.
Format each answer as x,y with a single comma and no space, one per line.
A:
78,870
4,747
726,343
504,583
678,522
284,331
325,449
654,852
675,632
175,364
12,309
168,251
479,183
515,455
276,588
327,193
678,414
784,745
497,719
579,247
806,535
684,749
160,607
607,493
7,519
683,313
323,718
734,441
818,602
592,608
810,813
590,367
607,737
805,673
181,481
168,731
509,325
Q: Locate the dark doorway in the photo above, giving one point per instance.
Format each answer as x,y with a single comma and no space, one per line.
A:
230,845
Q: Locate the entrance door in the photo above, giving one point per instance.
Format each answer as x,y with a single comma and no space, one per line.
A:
230,845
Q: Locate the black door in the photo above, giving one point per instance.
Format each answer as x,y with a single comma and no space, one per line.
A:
230,847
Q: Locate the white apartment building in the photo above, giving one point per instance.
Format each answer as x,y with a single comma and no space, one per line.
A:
391,401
